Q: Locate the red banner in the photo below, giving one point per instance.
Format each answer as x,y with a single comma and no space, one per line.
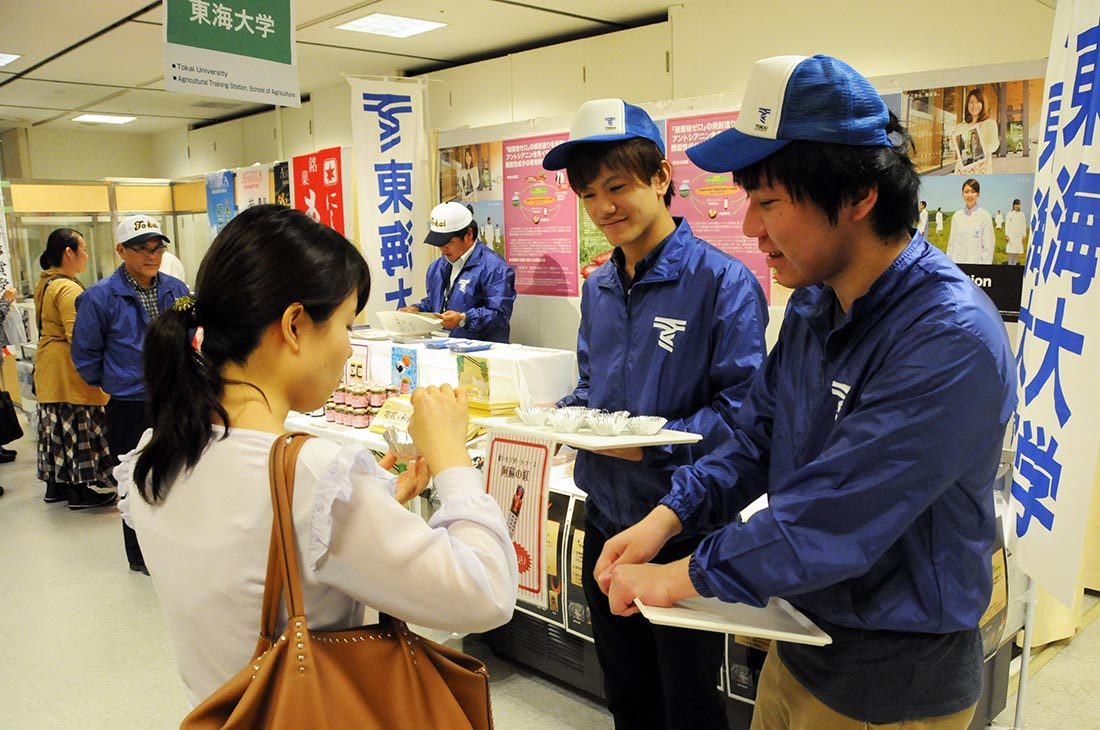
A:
319,187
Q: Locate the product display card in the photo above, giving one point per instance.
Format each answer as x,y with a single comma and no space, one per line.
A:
518,474
403,369
778,620
557,520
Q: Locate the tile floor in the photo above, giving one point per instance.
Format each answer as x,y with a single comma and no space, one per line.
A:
83,647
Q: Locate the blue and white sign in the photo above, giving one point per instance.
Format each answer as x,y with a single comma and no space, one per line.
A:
221,200
391,162
1058,423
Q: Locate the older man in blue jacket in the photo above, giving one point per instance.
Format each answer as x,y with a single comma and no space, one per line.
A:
671,327
875,427
112,317
470,284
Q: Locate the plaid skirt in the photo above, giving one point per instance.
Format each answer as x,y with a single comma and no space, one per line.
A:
72,444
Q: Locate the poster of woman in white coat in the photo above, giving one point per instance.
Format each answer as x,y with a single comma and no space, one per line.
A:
972,239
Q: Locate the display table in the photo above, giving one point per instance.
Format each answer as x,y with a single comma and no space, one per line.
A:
520,373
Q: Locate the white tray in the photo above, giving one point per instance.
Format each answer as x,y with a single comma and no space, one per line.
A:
778,620
409,323
585,439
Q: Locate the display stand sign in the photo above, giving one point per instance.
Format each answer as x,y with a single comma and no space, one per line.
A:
221,201
518,470
404,369
319,188
253,186
1057,425
540,217
232,50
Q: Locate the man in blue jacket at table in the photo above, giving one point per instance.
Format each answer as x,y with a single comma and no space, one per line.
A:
672,327
470,285
112,317
874,428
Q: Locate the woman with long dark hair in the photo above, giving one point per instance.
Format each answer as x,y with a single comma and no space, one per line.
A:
73,457
266,333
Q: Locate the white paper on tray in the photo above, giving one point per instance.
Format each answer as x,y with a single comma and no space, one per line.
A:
585,439
779,620
409,323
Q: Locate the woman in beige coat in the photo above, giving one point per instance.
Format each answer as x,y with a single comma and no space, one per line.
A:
73,457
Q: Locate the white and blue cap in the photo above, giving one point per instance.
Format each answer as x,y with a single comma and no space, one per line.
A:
788,98
604,120
448,220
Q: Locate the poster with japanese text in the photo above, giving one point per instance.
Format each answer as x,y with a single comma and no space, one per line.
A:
221,200
318,187
711,202
540,220
281,171
253,186
404,370
5,253
518,472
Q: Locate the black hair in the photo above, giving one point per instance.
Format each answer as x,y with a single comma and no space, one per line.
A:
974,185
637,157
976,93
924,204
830,176
1015,201
59,240
266,259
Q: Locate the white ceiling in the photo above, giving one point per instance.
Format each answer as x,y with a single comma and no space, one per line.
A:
107,55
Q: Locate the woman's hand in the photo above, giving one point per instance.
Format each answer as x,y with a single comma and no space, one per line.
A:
438,426
10,294
412,481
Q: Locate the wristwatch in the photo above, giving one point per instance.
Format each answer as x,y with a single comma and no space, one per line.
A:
462,320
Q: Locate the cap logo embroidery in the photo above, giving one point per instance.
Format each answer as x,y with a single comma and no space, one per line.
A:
764,112
609,123
138,225
438,223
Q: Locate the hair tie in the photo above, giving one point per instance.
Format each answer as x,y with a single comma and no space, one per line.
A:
196,339
184,304
897,139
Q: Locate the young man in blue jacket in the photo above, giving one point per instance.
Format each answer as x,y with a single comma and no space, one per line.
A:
671,327
109,337
470,284
875,427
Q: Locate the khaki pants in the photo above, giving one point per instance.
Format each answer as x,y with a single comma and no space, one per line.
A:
782,703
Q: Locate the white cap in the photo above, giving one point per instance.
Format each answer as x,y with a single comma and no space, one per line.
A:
448,220
137,229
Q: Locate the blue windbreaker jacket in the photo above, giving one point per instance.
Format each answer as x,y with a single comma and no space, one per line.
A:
877,443
683,344
109,333
485,291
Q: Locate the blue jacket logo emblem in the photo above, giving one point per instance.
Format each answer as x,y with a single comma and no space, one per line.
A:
668,327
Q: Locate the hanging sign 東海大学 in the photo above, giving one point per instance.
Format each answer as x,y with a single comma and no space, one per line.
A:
231,50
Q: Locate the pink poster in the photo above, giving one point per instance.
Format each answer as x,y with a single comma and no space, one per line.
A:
540,220
712,202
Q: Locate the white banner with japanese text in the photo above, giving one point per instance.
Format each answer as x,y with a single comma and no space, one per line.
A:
1058,422
5,253
392,172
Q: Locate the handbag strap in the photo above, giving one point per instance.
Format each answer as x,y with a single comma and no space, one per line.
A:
42,301
282,557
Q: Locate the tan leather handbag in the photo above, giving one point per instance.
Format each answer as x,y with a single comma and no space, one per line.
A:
373,677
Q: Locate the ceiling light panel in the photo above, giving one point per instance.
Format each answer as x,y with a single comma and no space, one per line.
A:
394,26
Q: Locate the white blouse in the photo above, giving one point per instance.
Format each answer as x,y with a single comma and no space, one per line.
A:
972,239
206,548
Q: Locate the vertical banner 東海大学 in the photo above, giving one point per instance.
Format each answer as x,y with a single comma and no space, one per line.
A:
391,167
1058,425
232,49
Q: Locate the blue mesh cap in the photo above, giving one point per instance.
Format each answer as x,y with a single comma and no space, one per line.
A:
604,120
787,98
